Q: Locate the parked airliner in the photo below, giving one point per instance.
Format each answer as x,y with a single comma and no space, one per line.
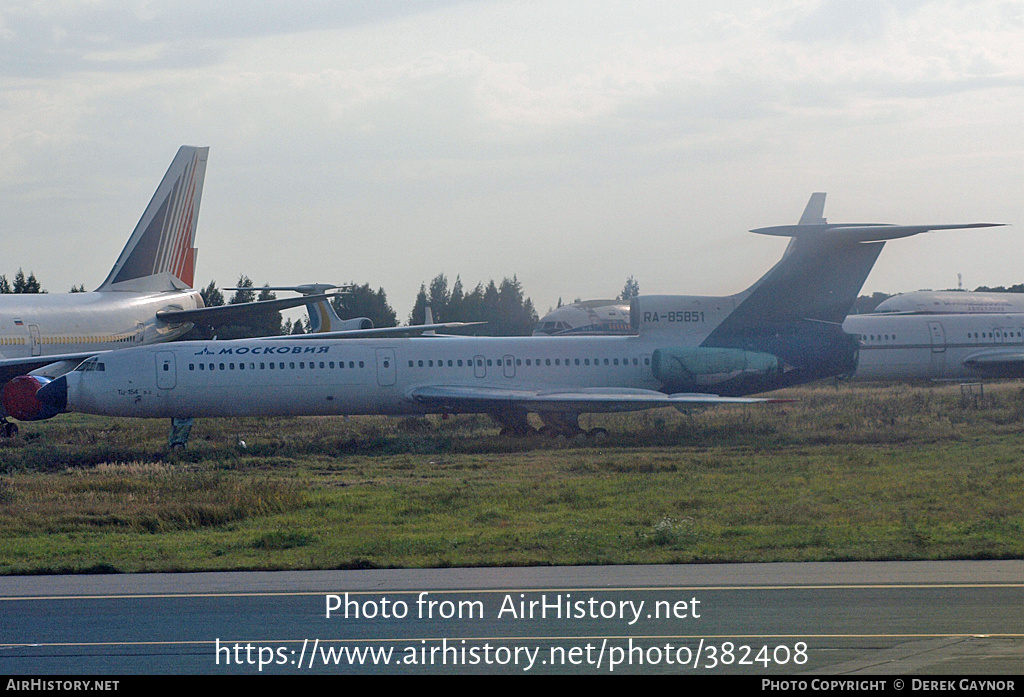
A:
939,346
951,302
783,330
146,298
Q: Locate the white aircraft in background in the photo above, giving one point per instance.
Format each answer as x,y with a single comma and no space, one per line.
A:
951,302
939,346
146,298
783,330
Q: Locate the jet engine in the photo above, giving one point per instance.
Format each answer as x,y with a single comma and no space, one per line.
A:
355,323
694,368
21,401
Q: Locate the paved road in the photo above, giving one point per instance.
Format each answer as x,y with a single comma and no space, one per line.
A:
825,618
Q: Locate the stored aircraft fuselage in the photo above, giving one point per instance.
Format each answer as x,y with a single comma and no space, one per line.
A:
939,346
406,376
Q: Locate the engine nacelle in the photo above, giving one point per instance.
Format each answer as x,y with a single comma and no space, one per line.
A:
354,323
21,401
688,368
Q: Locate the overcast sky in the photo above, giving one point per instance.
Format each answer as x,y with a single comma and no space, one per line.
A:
570,143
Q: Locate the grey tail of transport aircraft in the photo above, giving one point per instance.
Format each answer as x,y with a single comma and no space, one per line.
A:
794,313
822,270
797,308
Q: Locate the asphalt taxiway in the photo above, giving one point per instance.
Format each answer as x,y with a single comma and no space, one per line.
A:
857,618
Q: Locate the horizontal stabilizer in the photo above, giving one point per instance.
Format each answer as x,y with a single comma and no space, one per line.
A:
305,288
860,232
413,330
221,314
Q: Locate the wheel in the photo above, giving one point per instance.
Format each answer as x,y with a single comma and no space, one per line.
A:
10,429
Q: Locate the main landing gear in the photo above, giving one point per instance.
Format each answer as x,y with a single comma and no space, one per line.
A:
8,429
177,439
561,423
514,422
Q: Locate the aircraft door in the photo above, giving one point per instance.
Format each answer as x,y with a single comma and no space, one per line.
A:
479,366
34,340
938,337
386,369
510,366
166,374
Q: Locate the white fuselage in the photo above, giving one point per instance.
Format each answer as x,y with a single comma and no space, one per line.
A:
933,346
45,325
346,376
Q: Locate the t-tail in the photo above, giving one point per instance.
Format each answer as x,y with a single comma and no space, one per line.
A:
162,244
820,274
322,317
787,327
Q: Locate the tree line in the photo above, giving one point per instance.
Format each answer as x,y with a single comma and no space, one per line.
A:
23,284
503,306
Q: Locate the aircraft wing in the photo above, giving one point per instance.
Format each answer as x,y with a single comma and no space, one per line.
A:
11,368
1007,363
377,331
222,314
605,399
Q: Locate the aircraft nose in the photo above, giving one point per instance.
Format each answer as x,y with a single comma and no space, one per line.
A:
54,395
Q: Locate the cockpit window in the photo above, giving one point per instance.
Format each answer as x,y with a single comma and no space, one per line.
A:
91,364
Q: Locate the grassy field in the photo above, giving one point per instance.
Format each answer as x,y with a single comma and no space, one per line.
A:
847,472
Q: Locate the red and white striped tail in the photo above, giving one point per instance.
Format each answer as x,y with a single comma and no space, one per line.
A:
163,241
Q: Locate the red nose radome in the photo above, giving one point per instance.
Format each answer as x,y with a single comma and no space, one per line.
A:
21,399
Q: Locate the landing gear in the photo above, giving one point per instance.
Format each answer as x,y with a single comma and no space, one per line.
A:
557,424
566,425
513,421
8,429
177,439
560,423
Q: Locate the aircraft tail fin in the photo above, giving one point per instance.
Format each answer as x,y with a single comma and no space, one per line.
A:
323,318
163,241
815,211
819,276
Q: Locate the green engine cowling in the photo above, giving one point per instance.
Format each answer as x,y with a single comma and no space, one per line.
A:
689,368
